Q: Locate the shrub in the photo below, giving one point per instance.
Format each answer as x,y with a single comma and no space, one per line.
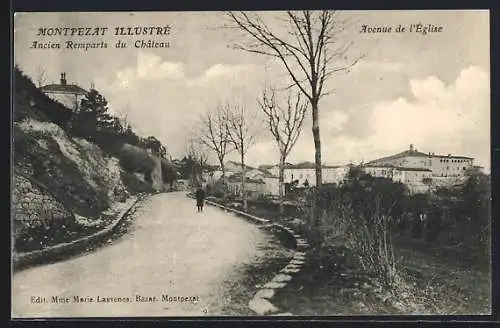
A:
136,160
360,215
134,184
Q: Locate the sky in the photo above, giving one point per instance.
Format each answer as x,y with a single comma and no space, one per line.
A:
430,90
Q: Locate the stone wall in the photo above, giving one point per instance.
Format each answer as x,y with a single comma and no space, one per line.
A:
33,205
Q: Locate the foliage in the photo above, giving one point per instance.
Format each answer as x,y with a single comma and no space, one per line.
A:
136,160
134,184
29,101
168,172
155,146
366,212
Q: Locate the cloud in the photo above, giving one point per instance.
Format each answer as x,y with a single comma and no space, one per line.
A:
440,118
149,67
436,117
223,73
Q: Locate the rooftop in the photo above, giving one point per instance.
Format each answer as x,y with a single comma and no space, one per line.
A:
309,165
400,168
414,152
237,178
239,165
64,87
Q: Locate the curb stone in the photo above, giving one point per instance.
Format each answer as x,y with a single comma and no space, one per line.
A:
27,257
260,303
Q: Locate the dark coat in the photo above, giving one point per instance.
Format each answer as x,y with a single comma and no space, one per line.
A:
200,194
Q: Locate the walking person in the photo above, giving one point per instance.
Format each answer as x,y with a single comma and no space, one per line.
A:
200,198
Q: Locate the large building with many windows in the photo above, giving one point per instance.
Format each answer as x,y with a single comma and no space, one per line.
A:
440,165
420,171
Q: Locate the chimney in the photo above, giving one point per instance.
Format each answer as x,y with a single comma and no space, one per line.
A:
63,78
411,147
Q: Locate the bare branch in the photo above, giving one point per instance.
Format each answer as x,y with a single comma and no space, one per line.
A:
284,122
311,52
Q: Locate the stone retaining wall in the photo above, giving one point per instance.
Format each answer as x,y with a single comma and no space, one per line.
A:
33,204
261,303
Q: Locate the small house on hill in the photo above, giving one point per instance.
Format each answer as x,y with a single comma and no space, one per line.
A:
69,95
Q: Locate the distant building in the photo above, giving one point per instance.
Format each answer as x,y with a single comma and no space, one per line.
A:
440,165
254,188
259,182
422,171
418,180
69,95
305,173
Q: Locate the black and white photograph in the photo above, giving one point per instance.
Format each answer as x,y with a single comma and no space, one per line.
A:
251,163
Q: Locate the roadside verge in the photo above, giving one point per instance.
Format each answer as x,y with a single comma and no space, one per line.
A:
261,303
20,260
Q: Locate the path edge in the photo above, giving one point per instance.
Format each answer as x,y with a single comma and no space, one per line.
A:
261,302
26,258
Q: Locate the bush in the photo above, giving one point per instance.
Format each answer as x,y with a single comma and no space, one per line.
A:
136,160
361,215
365,213
134,184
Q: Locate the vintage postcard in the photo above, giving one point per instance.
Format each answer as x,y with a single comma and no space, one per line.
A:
280,163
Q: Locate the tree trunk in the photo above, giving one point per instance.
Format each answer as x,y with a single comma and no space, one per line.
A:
281,181
317,142
224,192
243,186
315,215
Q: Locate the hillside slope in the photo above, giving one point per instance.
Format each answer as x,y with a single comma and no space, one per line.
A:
63,185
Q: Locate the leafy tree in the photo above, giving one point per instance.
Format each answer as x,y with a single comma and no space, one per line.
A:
169,173
155,145
92,116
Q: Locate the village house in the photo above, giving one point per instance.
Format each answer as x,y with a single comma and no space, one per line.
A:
259,182
255,188
69,95
305,173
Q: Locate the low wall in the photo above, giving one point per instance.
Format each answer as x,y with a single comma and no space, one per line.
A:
24,259
261,303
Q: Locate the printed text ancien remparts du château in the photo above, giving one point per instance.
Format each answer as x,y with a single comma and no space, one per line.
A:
85,38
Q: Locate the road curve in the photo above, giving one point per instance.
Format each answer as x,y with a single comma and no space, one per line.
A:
173,262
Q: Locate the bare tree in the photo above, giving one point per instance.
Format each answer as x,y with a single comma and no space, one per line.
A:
214,134
197,161
242,135
41,76
309,49
285,124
